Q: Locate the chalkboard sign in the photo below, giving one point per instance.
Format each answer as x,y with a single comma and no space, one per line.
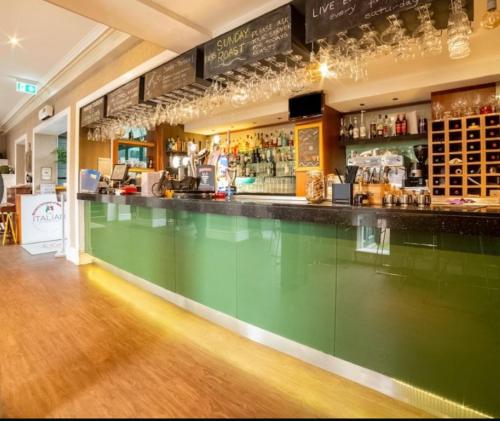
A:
124,97
93,113
206,173
308,147
177,73
269,35
325,18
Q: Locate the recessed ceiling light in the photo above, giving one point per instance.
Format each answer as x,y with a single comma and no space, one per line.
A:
14,41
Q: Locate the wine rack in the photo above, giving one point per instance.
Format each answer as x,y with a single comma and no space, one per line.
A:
464,156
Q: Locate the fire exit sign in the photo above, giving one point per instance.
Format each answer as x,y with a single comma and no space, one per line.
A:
26,88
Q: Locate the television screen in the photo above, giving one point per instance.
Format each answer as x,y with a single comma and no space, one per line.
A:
304,106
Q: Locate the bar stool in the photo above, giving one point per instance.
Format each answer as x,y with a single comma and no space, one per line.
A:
8,227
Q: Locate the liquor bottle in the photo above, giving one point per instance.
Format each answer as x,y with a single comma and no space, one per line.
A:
373,129
404,126
350,129
422,126
362,128
386,126
355,130
342,132
380,126
284,139
398,126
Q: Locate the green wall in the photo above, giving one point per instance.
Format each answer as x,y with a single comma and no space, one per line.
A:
428,313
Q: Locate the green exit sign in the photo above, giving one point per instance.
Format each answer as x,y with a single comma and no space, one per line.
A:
26,88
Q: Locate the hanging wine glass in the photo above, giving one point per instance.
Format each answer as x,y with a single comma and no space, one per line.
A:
459,31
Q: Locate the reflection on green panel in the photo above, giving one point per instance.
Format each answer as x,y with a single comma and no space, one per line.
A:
137,240
206,259
428,314
286,280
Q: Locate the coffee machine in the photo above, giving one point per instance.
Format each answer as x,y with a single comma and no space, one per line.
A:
418,171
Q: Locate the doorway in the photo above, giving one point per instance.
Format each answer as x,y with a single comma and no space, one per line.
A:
44,215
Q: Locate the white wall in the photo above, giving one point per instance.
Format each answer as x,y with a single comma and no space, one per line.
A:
20,163
44,155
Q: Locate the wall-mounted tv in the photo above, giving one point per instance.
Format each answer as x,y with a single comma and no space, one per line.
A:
306,106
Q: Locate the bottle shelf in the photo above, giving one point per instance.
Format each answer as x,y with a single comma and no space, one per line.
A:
137,143
475,141
378,140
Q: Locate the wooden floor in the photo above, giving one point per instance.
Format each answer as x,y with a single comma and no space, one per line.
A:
79,342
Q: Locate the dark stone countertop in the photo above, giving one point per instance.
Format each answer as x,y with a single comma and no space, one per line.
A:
463,220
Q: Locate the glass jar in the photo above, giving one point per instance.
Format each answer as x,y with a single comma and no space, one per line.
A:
315,188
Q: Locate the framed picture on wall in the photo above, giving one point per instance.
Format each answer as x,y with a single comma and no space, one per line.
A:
46,174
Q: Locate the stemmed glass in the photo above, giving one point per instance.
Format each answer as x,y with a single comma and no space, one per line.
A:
437,109
427,36
459,31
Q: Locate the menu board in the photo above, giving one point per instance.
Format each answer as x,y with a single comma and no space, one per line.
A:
175,74
308,147
269,35
124,97
206,173
92,113
325,18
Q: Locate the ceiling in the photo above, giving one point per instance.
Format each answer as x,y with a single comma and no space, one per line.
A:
178,26
49,38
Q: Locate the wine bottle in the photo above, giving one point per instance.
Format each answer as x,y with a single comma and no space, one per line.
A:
386,126
404,126
398,126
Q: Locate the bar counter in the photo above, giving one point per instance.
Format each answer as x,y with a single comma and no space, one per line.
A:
466,220
410,294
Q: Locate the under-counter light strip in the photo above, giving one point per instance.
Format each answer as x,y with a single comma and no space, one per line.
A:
394,388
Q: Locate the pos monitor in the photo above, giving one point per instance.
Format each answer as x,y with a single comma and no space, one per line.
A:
120,173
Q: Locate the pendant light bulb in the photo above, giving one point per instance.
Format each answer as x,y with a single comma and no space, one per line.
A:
491,19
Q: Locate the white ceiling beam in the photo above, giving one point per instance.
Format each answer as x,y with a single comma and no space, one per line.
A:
143,19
